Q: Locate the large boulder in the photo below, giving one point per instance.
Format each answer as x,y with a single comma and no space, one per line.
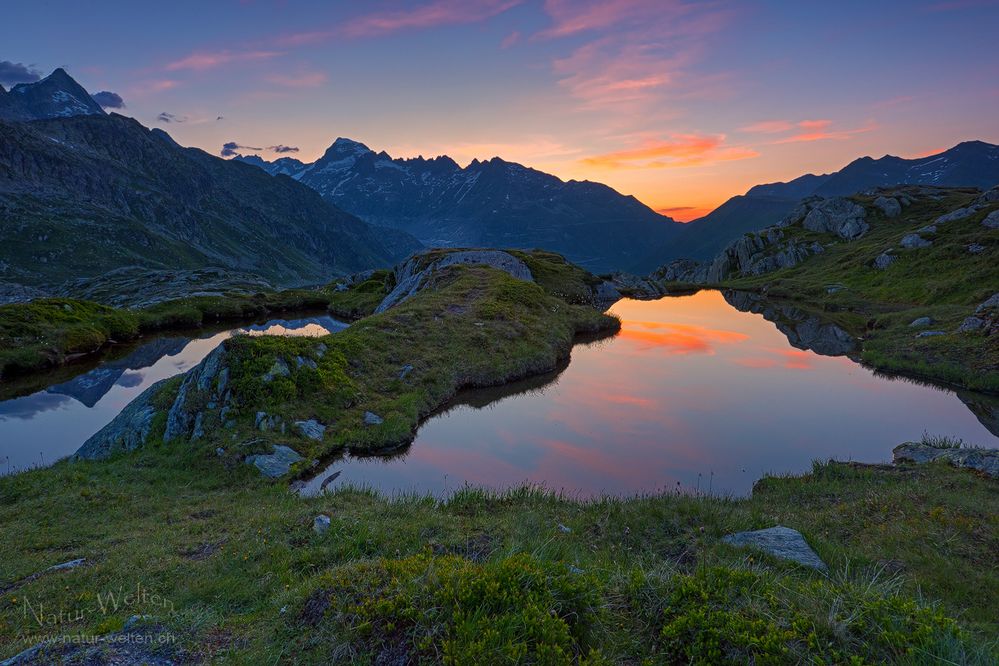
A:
983,460
889,206
845,218
991,220
127,431
414,275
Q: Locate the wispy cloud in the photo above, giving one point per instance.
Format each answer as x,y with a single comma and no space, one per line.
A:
572,16
432,14
679,150
231,148
805,130
203,60
166,117
510,39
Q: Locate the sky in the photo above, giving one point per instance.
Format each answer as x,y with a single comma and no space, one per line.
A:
681,104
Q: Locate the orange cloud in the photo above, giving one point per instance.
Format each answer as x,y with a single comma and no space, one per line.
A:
209,60
680,150
815,130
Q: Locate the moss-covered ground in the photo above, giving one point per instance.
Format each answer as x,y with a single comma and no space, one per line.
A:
945,282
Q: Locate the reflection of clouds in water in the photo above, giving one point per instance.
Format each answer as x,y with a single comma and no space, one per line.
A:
27,407
130,379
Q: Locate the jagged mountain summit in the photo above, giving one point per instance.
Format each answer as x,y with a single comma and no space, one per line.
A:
968,164
491,203
55,96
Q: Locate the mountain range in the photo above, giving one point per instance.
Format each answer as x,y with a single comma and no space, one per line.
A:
968,164
491,203
85,193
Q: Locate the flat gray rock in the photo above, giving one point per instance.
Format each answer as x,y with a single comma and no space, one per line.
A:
779,541
930,334
312,429
370,418
275,464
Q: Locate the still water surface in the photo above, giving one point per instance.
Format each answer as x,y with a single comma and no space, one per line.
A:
692,394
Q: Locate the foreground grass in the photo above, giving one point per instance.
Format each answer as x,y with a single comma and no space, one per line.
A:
48,332
945,282
484,577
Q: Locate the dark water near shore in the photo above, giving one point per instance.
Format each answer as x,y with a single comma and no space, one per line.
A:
693,394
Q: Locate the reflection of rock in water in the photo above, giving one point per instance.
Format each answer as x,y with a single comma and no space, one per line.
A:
803,330
91,386
984,407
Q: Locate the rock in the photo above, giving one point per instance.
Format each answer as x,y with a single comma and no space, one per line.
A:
264,422
779,541
563,529
991,303
414,275
72,564
834,288
682,270
958,214
983,460
889,206
275,464
884,260
971,324
976,248
321,524
311,428
183,415
606,292
990,196
19,293
126,432
305,362
279,369
914,241
371,419
991,220
930,334
840,216
406,369
928,229
921,322
321,349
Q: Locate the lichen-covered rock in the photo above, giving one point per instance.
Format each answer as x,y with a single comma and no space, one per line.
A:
127,431
991,220
413,276
204,386
983,460
884,260
914,241
275,464
311,428
278,369
779,541
845,218
889,206
971,324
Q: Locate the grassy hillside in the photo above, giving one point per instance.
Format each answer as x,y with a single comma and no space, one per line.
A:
945,282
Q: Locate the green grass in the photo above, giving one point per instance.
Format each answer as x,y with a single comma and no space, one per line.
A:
476,326
490,576
944,282
361,299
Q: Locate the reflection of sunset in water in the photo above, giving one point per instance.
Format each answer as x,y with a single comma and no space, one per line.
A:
690,391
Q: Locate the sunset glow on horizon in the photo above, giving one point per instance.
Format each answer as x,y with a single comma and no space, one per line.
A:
681,104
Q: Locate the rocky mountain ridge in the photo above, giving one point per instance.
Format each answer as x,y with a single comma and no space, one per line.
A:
491,203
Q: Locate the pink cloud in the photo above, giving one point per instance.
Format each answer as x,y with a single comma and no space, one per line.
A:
679,150
572,16
209,60
807,130
439,12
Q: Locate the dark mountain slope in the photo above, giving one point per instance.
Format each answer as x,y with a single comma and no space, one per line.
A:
968,164
490,204
55,96
89,193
